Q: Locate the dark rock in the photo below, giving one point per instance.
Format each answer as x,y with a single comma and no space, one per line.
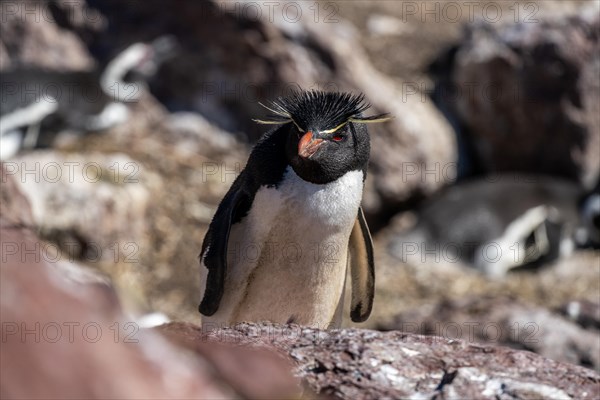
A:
32,37
508,322
364,364
529,96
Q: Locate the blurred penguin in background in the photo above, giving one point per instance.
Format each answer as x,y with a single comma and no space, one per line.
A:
80,101
502,223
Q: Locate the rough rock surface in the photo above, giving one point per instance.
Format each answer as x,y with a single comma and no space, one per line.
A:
507,322
365,364
528,96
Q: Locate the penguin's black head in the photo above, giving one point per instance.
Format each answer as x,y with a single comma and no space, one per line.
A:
326,133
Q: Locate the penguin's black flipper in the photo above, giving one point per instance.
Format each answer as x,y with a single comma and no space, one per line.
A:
362,269
214,246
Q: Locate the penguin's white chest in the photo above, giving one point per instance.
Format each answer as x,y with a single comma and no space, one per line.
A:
321,209
287,257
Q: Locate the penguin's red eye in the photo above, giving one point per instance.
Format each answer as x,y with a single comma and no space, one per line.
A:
338,138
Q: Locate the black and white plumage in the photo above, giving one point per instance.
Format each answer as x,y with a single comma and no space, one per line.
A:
282,238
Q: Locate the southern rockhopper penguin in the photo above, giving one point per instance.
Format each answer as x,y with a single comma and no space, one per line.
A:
281,241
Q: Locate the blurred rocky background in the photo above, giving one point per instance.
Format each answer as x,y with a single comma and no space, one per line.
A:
123,124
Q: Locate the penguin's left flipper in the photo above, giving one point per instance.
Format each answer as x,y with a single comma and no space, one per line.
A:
214,247
362,269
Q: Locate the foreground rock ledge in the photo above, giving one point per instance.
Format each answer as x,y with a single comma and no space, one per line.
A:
366,364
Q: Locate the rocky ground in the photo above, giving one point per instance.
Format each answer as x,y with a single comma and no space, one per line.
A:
132,204
366,364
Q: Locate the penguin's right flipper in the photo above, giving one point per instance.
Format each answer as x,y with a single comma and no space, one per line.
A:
214,246
362,269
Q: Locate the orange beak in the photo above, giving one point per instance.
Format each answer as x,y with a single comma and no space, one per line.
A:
307,146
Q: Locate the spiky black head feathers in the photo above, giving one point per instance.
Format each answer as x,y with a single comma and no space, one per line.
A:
318,109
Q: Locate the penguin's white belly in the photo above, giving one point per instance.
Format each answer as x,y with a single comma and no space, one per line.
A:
287,257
